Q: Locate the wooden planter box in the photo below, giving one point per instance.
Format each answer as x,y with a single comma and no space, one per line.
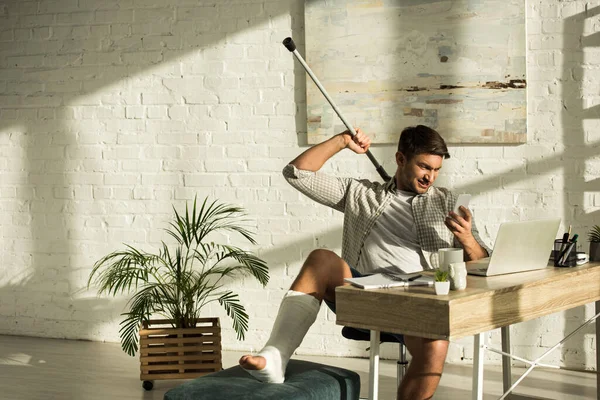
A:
170,353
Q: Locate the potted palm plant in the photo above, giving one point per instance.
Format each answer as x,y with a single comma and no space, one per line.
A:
176,283
594,239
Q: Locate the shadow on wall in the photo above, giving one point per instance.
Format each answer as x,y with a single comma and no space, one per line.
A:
576,116
116,90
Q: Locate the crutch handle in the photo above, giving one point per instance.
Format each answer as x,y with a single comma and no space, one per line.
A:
289,44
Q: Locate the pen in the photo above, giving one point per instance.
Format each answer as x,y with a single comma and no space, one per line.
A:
573,243
412,278
565,257
565,241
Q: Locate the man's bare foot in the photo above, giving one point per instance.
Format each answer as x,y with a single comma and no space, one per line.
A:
266,366
253,363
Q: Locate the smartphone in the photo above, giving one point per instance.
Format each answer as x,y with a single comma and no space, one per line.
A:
463,200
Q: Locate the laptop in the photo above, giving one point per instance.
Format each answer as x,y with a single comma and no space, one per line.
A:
520,246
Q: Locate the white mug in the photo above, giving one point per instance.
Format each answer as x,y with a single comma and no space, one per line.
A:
458,275
449,255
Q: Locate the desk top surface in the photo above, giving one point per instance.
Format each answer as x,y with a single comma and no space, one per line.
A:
486,286
487,302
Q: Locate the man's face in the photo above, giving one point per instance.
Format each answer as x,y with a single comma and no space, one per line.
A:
419,173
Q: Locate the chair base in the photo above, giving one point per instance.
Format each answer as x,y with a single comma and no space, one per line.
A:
365,335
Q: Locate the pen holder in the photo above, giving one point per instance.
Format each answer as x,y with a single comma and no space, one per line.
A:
565,254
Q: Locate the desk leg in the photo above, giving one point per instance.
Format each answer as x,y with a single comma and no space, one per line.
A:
506,361
374,366
597,352
478,349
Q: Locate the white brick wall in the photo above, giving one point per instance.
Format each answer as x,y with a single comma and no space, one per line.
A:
113,111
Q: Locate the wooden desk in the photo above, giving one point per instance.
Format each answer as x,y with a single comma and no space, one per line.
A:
486,304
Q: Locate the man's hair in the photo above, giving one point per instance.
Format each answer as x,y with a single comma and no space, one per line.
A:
420,139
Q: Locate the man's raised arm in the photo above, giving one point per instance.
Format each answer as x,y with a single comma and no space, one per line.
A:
314,158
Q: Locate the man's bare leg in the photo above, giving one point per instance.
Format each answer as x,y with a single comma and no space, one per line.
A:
425,369
321,273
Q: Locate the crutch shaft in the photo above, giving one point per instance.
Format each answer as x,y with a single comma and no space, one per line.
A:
291,46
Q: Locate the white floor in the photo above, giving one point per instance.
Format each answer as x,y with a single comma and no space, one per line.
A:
36,368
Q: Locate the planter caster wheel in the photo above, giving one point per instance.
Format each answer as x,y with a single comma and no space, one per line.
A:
148,385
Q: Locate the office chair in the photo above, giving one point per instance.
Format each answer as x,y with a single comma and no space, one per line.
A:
364,335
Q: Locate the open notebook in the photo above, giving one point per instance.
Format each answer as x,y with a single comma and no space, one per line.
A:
386,280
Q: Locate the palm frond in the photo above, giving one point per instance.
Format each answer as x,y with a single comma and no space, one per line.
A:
170,262
203,253
193,227
129,333
121,271
152,298
236,312
178,268
225,217
202,287
249,263
186,226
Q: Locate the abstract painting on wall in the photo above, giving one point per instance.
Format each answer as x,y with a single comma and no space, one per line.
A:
456,66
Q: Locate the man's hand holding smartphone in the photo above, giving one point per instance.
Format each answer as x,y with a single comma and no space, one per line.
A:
463,200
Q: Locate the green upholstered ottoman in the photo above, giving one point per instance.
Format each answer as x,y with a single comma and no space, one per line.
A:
303,381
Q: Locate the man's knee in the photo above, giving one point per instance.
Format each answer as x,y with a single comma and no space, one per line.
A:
437,348
328,266
322,256
428,350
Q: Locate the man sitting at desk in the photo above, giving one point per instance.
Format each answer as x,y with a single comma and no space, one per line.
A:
402,223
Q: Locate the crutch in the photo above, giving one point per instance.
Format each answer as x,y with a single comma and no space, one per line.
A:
291,46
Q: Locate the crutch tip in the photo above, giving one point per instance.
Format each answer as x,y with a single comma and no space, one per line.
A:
289,44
